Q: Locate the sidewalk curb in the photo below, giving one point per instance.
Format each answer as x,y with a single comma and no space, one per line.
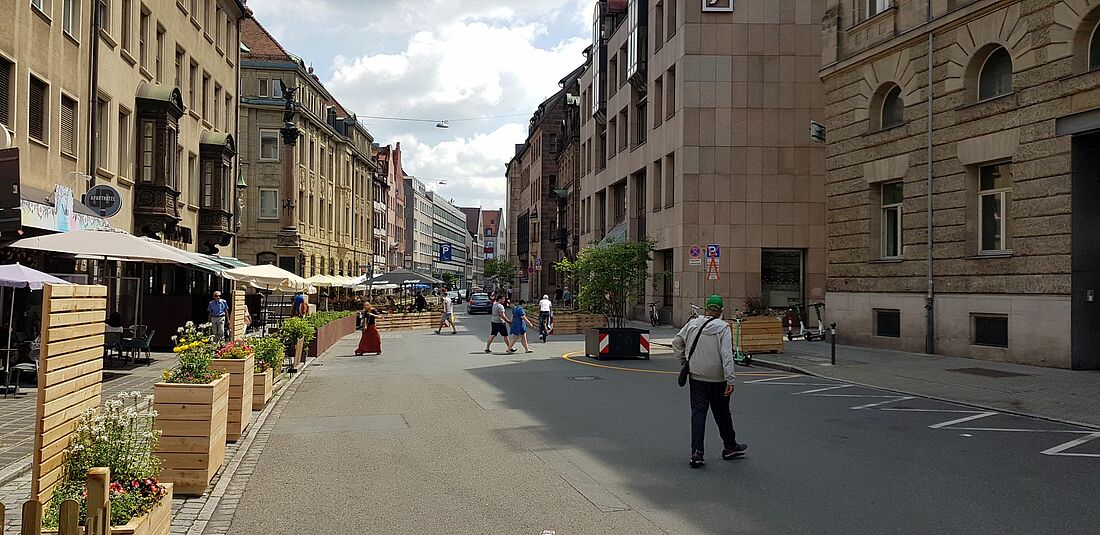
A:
15,470
765,363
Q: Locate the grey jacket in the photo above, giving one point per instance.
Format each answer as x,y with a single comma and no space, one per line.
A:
713,358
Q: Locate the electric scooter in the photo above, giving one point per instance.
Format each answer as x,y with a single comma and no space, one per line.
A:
740,357
809,335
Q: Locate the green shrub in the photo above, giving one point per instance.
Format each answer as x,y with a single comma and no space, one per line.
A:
294,329
321,319
270,351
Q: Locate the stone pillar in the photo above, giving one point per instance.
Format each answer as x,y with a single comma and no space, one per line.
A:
288,236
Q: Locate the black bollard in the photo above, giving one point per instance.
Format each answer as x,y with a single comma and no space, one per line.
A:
832,332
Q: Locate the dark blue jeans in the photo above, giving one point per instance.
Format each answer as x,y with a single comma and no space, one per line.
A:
706,395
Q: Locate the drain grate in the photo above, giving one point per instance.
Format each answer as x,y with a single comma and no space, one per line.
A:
586,378
988,372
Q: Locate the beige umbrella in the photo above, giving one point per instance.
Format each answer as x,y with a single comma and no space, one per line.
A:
269,277
109,243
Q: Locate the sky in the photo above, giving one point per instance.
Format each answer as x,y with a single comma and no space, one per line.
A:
483,65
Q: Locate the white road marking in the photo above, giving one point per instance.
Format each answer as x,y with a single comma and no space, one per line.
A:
780,378
887,402
1057,450
822,390
961,420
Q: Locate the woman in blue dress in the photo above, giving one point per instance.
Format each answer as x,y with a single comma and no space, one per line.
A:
519,328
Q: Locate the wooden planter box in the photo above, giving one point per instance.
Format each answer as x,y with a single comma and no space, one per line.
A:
575,323
759,334
331,333
417,320
263,384
156,522
240,394
192,421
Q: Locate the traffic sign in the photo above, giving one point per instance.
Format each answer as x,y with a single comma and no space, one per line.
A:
695,251
444,252
538,262
538,266
713,250
531,270
695,261
713,269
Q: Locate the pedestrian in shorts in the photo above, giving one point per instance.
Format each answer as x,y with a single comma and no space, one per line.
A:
498,324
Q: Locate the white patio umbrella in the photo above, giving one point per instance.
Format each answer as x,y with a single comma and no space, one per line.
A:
108,243
19,276
269,277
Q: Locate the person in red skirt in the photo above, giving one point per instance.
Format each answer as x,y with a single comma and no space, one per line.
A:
371,341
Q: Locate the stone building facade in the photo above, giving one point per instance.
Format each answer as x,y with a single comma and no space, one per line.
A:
332,161
140,96
418,226
1009,156
532,202
694,131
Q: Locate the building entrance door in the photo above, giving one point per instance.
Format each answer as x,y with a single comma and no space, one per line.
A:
1085,253
781,277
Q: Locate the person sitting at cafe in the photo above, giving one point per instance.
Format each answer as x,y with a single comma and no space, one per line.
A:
421,302
114,323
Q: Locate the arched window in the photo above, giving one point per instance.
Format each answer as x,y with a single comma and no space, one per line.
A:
893,108
995,78
1094,49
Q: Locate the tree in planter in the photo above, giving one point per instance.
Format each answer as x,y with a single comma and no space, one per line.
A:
501,272
451,279
609,277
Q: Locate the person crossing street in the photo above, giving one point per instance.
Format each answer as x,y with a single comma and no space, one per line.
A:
448,317
705,344
498,325
544,317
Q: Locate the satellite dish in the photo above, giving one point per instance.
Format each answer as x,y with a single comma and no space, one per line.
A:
5,137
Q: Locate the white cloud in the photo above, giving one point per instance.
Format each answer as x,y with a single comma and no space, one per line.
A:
440,59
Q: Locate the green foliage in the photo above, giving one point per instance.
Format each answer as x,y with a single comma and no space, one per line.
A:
119,436
269,352
321,319
294,329
195,347
500,271
452,280
609,277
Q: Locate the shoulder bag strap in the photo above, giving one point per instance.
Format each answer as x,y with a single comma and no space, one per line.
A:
697,335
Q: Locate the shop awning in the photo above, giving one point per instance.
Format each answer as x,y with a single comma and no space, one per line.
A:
108,243
227,261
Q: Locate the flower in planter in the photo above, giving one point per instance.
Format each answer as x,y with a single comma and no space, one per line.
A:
119,436
196,354
237,350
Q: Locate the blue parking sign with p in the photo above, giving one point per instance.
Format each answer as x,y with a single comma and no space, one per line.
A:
713,251
444,252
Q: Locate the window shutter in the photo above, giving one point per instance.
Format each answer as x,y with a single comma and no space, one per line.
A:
5,91
68,125
36,112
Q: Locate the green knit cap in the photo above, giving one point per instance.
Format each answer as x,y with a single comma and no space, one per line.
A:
714,302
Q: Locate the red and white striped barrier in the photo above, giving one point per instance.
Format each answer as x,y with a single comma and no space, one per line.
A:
644,343
604,344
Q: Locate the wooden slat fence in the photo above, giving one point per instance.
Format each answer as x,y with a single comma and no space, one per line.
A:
99,511
70,375
238,312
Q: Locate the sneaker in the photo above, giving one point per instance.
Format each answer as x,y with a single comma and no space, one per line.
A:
487,350
737,451
696,459
511,350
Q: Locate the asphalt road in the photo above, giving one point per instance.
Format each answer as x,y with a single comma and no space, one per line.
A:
436,437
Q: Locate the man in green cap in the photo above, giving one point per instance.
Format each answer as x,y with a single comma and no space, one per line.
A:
705,344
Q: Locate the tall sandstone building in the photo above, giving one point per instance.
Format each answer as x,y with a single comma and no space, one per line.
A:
1001,261
694,130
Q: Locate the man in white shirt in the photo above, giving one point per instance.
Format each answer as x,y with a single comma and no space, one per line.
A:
448,317
544,317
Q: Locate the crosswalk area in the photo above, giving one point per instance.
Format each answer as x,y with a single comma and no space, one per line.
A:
1061,440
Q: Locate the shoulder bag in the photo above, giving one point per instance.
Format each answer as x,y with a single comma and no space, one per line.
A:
685,370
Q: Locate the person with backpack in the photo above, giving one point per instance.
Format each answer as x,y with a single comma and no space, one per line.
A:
705,350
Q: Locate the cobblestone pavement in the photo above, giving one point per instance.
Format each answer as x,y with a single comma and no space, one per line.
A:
192,515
